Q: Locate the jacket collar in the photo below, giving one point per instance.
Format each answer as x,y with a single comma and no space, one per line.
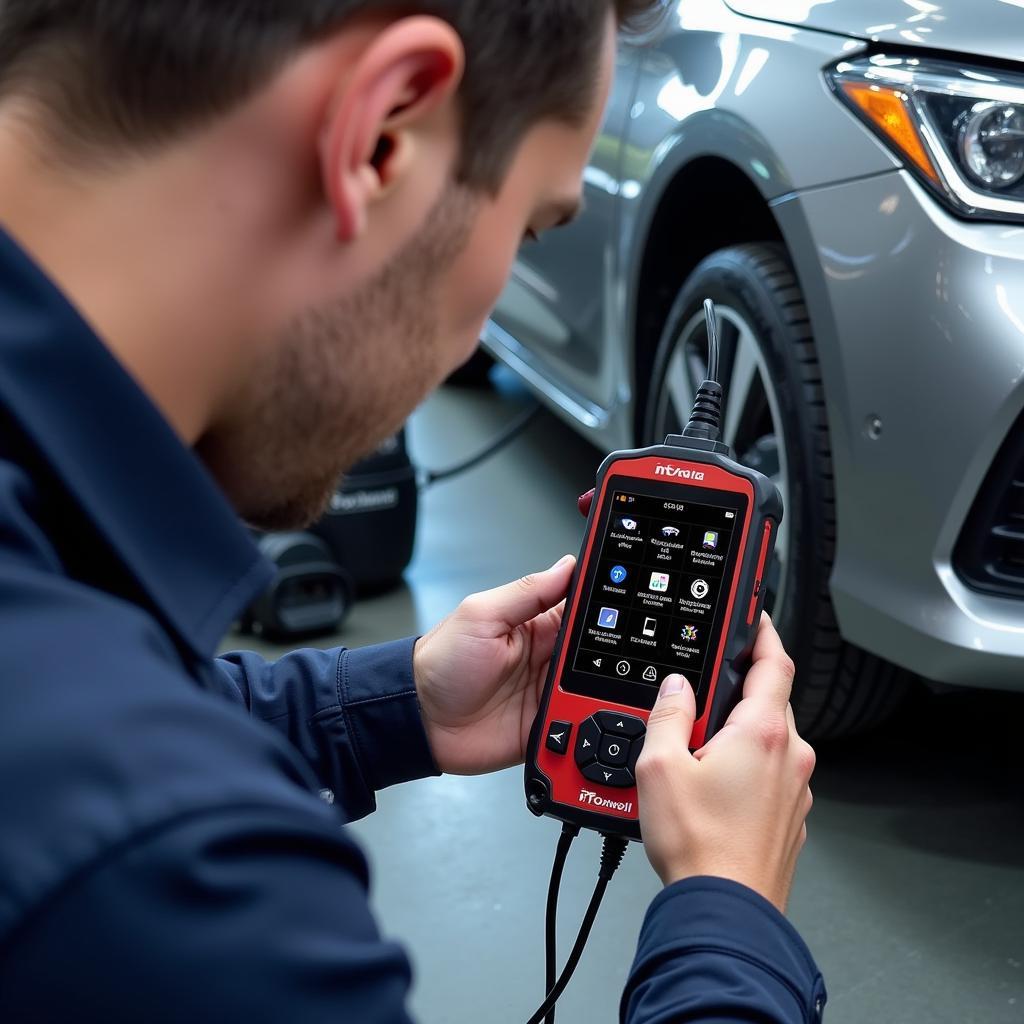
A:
120,462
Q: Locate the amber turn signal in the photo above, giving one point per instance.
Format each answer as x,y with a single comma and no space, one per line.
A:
886,108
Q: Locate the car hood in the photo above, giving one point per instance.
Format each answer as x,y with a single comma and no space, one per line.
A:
987,28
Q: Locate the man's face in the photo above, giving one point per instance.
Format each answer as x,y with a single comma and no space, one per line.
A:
346,375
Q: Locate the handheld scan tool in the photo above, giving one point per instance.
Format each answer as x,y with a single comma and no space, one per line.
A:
670,580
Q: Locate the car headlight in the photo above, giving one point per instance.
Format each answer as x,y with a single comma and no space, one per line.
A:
959,129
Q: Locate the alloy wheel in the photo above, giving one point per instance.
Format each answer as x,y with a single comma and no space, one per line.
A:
752,421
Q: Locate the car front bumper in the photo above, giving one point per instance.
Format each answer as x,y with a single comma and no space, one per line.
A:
919,323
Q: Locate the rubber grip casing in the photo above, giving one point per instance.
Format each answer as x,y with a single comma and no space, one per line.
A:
554,785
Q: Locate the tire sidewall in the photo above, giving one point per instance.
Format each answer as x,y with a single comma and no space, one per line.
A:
730,278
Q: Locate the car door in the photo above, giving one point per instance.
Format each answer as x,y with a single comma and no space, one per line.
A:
550,319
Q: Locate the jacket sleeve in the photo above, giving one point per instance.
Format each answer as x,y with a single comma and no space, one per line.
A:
352,714
245,913
714,950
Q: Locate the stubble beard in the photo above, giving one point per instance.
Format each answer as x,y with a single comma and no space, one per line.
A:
346,377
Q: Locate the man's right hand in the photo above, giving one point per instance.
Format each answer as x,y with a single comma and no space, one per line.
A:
737,807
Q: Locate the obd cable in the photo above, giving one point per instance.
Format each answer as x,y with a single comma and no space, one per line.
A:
612,852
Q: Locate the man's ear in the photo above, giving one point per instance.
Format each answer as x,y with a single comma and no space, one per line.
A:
408,70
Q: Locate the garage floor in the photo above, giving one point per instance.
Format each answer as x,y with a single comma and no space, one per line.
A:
911,889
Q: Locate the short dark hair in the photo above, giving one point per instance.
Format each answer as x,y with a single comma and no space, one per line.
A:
131,74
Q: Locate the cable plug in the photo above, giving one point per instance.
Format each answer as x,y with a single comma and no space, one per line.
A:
612,852
706,419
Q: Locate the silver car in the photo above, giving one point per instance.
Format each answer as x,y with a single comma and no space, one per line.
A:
846,179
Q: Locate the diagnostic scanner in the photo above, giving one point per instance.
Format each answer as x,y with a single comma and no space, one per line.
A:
670,579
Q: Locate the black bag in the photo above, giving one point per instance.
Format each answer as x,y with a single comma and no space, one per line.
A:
364,544
371,525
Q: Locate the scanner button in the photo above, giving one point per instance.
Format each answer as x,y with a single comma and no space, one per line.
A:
614,751
558,736
588,743
607,776
614,724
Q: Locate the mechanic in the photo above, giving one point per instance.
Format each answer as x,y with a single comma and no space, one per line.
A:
243,240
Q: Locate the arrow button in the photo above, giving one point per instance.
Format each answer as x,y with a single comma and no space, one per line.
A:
613,724
587,742
618,777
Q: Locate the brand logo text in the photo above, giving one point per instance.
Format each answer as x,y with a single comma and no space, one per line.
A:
677,471
593,800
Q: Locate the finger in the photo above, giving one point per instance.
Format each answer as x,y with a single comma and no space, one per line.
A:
554,616
519,602
585,501
545,631
770,678
720,739
671,723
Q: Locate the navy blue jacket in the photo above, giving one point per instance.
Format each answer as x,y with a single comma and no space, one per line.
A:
166,850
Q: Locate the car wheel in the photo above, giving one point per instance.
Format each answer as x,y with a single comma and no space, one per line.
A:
775,420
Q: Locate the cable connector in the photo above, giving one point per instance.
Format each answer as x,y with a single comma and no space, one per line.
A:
612,852
706,419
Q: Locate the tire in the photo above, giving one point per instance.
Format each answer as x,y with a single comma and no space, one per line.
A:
780,427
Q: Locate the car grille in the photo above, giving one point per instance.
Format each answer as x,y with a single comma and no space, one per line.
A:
989,556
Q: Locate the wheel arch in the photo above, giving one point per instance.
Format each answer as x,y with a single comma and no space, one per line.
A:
719,205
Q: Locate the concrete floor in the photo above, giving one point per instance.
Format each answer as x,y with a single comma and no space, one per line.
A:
911,889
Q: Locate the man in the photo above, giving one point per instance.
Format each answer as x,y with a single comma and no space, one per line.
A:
243,240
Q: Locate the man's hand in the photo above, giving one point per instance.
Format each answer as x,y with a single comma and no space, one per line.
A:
480,673
736,808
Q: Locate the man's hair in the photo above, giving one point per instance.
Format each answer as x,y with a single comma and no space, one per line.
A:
127,75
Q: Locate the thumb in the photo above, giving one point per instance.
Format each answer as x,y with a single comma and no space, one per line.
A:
523,600
671,723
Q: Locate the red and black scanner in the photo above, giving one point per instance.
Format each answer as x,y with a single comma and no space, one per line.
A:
670,580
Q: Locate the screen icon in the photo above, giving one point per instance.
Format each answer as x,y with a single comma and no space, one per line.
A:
670,531
608,618
659,582
699,589
711,541
650,627
627,524
690,633
650,674
619,574
597,662
623,668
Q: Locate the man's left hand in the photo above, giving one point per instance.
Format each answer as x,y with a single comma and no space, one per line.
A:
480,673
